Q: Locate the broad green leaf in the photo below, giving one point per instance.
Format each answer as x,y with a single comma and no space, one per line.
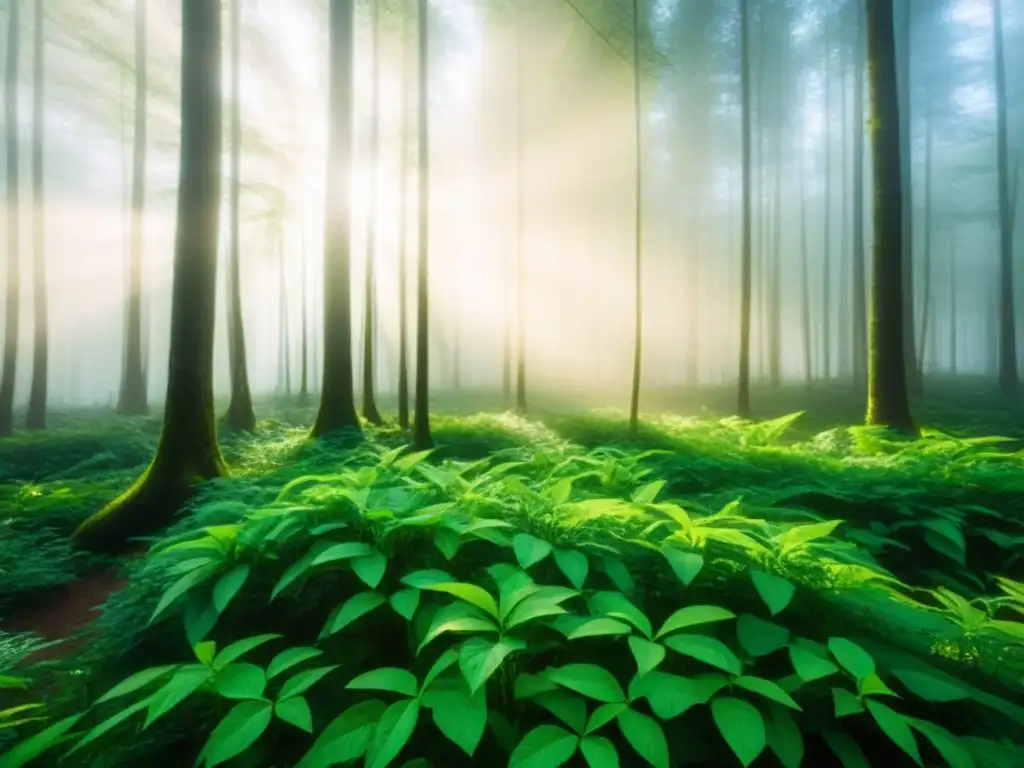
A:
529,549
480,658
671,695
471,593
648,655
872,685
851,657
457,617
759,637
295,711
240,681
459,715
570,709
528,686
297,569
24,752
845,748
894,725
177,589
800,535
392,733
768,689
574,565
228,585
945,537
443,662
599,627
183,683
645,736
546,746
346,737
351,610
599,752
742,727
559,491
343,551
370,568
405,602
706,649
647,493
140,679
241,647
238,731
694,615
774,590
289,658
205,652
617,571
590,680
930,688
302,681
616,605
846,703
108,725
201,617
604,714
784,736
546,601
945,743
392,679
448,542
422,579
685,564
809,666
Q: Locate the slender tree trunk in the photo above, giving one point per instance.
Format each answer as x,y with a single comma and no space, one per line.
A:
286,348
953,325
408,39
337,397
520,250
240,414
826,258
774,276
805,279
35,418
845,291
693,299
421,423
188,452
304,371
905,93
743,400
13,308
887,377
860,309
926,288
638,317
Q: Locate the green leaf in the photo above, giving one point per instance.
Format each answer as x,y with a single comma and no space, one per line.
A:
200,617
140,679
457,617
945,537
405,602
238,731
846,703
295,711
546,601
686,565
109,724
646,494
370,568
759,637
529,549
645,736
344,551
392,733
176,590
574,566
617,571
570,709
392,679
930,688
768,689
694,615
528,686
241,647
589,680
471,593
604,714
289,658
297,569
559,491
616,605
846,749
784,736
227,587
742,727
706,649
774,590
24,752
599,627
443,662
945,743
458,714
800,535
648,655
184,682
851,657
351,610
205,652
809,666
599,752
448,542
872,685
894,725
302,681
671,695
346,737
480,658
240,681
422,579
546,746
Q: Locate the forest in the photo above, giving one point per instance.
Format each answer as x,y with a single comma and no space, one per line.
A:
527,383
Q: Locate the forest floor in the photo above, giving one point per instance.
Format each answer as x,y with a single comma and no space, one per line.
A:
912,547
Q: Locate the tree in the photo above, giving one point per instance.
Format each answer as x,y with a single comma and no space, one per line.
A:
860,310
520,202
337,398
13,308
421,438
403,256
132,398
35,418
187,452
743,406
638,319
240,414
887,370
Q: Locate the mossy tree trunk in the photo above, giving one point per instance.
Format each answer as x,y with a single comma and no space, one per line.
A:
743,399
859,287
638,284
240,414
887,373
421,437
337,397
13,309
188,452
132,398
370,410
35,418
408,40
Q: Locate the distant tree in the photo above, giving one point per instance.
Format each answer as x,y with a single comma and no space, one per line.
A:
337,396
743,405
520,204
1008,378
859,282
13,309
303,398
370,411
403,255
188,452
887,373
421,437
638,285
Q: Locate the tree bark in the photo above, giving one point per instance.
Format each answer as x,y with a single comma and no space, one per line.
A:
422,438
13,303
905,97
370,411
743,404
860,309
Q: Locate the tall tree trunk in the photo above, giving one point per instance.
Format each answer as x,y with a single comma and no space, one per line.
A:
35,418
887,377
693,299
13,308
926,287
953,325
304,373
826,256
843,364
743,399
188,452
904,95
421,421
520,250
337,397
285,329
408,40
860,309
370,412
638,316
1008,378
774,276
805,278
240,414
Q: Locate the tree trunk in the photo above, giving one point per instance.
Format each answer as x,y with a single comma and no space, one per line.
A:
337,398
422,439
638,317
743,399
403,255
304,297
843,363
13,308
887,377
240,414
860,309
187,452
35,418
904,95
774,275
805,279
953,327
826,256
520,251
285,330
926,287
